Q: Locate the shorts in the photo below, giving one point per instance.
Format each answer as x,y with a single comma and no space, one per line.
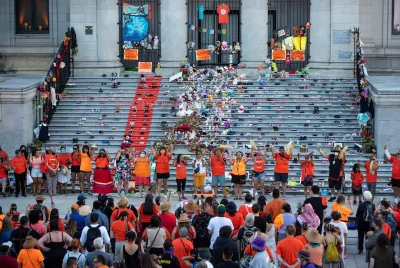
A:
307,183
198,179
357,192
162,176
259,175
326,262
238,179
36,173
218,180
3,180
337,184
281,177
75,169
180,185
395,183
371,187
142,180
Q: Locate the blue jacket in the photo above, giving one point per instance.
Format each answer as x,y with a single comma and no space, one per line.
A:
103,220
80,220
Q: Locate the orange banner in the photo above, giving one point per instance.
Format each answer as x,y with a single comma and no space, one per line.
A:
131,54
278,54
297,55
203,54
145,67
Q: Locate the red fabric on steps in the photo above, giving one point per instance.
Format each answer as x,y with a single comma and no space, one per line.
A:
139,141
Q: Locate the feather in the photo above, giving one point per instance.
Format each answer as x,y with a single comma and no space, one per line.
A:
342,152
289,147
372,167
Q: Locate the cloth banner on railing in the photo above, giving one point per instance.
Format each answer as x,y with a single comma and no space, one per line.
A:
205,30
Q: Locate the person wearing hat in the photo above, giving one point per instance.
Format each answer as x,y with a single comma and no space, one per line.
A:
336,164
281,170
218,162
259,161
36,161
83,208
52,165
63,175
307,173
315,247
216,223
395,181
29,256
371,174
167,259
184,222
182,245
40,208
162,168
73,213
102,182
85,159
168,218
20,166
287,249
304,257
123,206
5,259
261,259
364,212
190,207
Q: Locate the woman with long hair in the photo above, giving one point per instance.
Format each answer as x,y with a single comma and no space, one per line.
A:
118,230
184,221
236,218
52,165
155,236
72,229
36,162
123,172
35,222
130,251
271,234
147,261
146,211
75,166
181,175
200,223
308,216
102,182
162,168
214,208
6,230
63,176
75,253
383,254
85,158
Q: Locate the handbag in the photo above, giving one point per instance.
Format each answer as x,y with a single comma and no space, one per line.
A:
29,179
147,249
197,169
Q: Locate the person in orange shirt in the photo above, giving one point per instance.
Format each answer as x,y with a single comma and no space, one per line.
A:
180,165
102,182
4,168
274,207
85,158
307,173
357,178
371,174
287,249
63,176
259,170
236,218
3,154
247,207
238,174
251,252
52,165
281,171
217,162
146,211
142,172
75,166
182,246
395,160
162,168
340,205
20,166
123,206
385,227
118,230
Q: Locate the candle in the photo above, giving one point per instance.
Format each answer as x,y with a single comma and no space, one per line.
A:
40,27
25,26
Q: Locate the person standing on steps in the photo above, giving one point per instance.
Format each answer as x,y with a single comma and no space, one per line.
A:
123,171
52,165
281,170
20,166
395,172
142,172
75,166
181,175
217,162
85,158
307,173
335,169
102,182
199,174
162,168
238,174
35,161
258,171
371,174
63,176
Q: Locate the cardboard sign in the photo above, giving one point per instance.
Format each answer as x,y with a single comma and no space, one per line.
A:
176,76
131,54
297,55
278,54
281,33
203,54
145,67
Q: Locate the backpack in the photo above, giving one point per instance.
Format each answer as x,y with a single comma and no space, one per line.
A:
331,252
92,234
40,209
391,221
247,234
368,213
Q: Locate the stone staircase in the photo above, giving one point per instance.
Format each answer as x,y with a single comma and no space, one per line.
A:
280,111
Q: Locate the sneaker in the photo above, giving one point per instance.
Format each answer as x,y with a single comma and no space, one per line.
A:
333,198
284,197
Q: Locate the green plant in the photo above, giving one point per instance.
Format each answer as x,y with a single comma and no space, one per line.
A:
36,144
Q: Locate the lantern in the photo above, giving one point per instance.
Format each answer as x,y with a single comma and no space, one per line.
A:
53,79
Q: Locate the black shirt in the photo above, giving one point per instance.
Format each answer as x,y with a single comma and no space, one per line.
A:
335,165
169,261
319,207
260,223
19,235
228,264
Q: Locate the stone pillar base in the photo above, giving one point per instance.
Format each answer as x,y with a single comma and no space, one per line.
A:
167,72
330,70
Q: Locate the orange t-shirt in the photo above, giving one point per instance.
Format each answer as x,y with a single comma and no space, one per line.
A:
344,211
223,11
19,164
3,171
142,167
86,162
4,155
117,212
274,207
101,162
30,258
307,169
120,229
217,165
245,209
75,160
395,168
357,178
282,163
162,163
288,249
181,169
259,165
237,221
386,229
144,217
369,177
302,238
51,161
182,248
248,251
63,159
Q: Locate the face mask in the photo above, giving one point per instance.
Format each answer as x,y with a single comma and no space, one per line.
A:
75,149
102,154
23,150
63,151
142,155
162,151
19,154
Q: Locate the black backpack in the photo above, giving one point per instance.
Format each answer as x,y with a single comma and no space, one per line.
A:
40,209
92,234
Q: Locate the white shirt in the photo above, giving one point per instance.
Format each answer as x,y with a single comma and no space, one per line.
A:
215,224
343,230
200,163
103,231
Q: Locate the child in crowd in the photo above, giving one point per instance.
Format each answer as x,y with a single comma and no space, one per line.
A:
356,185
307,173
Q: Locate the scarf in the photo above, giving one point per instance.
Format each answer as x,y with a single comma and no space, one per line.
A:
309,217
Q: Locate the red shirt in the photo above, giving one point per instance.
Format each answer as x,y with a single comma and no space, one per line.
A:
9,262
386,229
223,11
19,164
3,171
217,165
395,167
162,163
4,155
368,175
168,221
307,169
357,178
282,163
75,161
245,209
181,169
63,159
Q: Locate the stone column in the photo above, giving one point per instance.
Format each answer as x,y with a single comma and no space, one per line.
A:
320,47
254,32
173,35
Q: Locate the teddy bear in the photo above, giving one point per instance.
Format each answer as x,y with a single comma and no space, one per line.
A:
155,42
224,46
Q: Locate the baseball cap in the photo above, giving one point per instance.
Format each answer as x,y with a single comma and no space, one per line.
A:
8,244
168,247
221,209
75,206
81,197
